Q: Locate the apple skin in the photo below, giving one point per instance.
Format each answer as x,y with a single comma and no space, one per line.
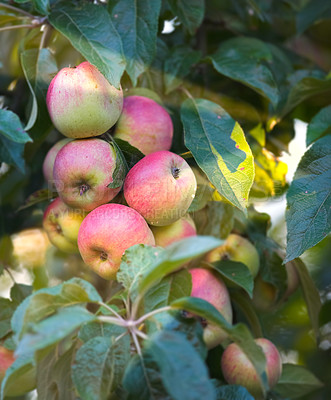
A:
82,103
82,170
145,125
165,235
62,225
161,187
208,286
238,369
48,163
237,248
6,360
30,247
106,233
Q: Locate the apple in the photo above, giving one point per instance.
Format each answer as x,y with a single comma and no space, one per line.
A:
82,170
30,247
161,187
237,248
82,103
208,286
165,235
238,369
6,360
145,125
107,232
62,225
48,163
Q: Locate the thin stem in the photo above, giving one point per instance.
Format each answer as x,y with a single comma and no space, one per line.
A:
16,10
8,28
150,314
10,274
110,310
140,334
119,337
112,320
188,94
47,29
136,342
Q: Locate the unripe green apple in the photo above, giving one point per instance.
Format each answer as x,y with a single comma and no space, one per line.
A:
82,171
161,187
48,164
208,286
238,369
165,235
237,248
62,225
145,125
6,360
82,103
107,232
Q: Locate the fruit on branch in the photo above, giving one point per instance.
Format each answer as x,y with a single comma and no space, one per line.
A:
208,286
62,225
48,163
161,187
182,228
6,360
107,232
82,171
145,125
82,103
238,369
237,248
30,247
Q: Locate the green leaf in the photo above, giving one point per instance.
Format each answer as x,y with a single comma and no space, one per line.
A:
6,251
189,12
219,147
178,65
308,214
237,273
7,309
99,366
45,302
183,373
42,6
231,392
202,196
53,329
246,60
314,12
98,328
54,375
296,381
238,333
131,154
20,378
145,92
39,196
120,169
137,24
319,126
91,31
175,256
12,139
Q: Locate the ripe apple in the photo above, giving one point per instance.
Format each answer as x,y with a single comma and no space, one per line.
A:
50,158
82,103
161,187
107,232
237,248
207,286
82,170
145,125
6,360
62,225
165,235
238,369
30,247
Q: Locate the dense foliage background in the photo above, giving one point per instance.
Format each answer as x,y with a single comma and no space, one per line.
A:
227,71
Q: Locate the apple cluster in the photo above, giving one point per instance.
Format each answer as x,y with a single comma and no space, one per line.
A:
91,216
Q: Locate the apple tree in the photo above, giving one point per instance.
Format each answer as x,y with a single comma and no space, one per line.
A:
178,304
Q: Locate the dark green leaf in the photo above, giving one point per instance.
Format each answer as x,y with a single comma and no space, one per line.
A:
183,373
7,309
219,147
38,197
296,381
91,31
136,23
99,366
237,273
98,328
231,392
42,6
202,196
120,169
246,60
132,154
313,12
19,292
53,329
189,12
320,125
308,214
178,65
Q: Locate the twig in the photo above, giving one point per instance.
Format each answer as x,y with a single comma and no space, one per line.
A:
136,342
188,94
47,29
16,10
110,309
10,274
119,337
8,28
112,320
150,314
